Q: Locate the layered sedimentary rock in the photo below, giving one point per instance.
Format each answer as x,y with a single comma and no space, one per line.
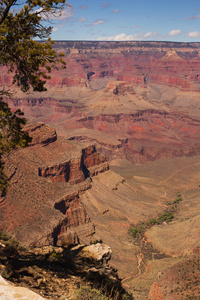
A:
132,100
128,100
76,170
136,62
132,61
149,135
42,207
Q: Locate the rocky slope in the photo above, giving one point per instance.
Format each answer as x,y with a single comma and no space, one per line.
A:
174,64
134,100
40,211
42,205
57,273
181,281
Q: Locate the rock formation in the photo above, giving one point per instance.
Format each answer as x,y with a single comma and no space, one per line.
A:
134,100
46,207
9,291
137,105
76,170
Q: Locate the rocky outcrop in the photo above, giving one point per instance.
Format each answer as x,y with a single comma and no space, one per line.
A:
40,133
69,170
10,291
98,251
75,224
57,272
56,217
124,61
120,88
89,163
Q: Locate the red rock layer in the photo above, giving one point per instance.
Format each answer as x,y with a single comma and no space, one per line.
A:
64,172
148,135
40,134
175,64
39,211
75,170
155,292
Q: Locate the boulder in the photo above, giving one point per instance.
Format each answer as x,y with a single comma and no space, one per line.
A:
9,291
99,252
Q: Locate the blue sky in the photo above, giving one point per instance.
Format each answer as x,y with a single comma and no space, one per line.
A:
125,20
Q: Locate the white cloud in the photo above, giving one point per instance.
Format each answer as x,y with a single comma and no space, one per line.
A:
175,32
98,22
64,15
84,6
106,4
148,34
116,11
193,34
82,20
125,37
134,26
192,18
55,29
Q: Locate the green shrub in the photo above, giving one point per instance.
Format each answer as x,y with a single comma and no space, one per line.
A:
140,228
166,217
178,199
88,293
134,231
96,242
152,221
4,236
56,257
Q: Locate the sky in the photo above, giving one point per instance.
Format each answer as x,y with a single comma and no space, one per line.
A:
129,20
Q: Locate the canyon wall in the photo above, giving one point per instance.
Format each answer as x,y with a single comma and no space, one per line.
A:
136,101
42,205
174,64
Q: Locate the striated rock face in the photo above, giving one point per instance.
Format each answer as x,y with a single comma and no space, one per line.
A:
76,223
47,208
149,135
125,61
64,172
129,61
41,133
133,100
76,170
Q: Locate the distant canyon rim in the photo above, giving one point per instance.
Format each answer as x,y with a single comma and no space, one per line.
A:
115,137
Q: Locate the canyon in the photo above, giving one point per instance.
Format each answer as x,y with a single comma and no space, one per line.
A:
115,138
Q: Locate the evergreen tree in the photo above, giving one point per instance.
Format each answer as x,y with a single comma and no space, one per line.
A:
30,61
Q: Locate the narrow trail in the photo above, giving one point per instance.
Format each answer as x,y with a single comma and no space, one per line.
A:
181,169
132,276
178,138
